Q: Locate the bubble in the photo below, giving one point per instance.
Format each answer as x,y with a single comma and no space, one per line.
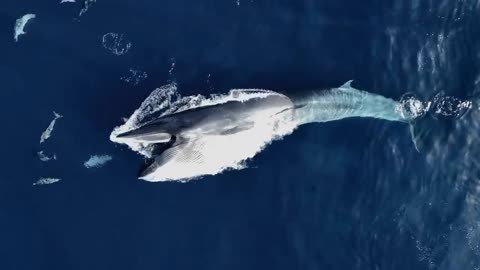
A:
116,43
134,77
449,107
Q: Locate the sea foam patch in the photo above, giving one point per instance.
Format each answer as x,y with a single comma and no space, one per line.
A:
43,157
46,181
97,161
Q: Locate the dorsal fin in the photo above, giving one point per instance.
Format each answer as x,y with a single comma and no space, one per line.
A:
347,84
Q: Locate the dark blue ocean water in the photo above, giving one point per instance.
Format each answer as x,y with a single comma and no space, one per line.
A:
352,194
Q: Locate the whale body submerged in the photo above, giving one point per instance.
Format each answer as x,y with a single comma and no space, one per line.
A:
207,140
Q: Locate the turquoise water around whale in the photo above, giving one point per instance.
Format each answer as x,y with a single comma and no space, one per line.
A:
349,194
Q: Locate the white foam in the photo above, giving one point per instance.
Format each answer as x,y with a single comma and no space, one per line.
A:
48,132
20,24
97,161
219,153
46,181
411,107
67,1
45,158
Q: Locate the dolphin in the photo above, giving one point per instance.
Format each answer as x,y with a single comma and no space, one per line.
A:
184,132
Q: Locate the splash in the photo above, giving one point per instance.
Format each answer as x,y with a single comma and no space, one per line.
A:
449,107
43,157
97,161
412,108
441,106
46,181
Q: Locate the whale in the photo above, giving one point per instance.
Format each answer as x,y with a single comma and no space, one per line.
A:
220,119
345,102
182,136
193,139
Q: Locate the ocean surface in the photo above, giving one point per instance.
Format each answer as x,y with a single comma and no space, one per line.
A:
349,194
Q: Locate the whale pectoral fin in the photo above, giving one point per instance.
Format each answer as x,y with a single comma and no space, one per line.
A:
415,139
424,132
346,85
185,151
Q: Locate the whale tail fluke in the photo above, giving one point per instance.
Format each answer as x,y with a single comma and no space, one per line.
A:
417,135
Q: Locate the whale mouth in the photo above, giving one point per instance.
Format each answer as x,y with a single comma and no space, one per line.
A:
125,135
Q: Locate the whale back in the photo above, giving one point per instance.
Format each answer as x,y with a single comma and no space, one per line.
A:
343,102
